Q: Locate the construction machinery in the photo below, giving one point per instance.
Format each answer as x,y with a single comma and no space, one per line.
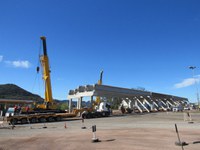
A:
100,105
46,111
99,108
48,100
38,117
98,100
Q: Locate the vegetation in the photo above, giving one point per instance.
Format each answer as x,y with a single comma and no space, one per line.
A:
63,106
115,102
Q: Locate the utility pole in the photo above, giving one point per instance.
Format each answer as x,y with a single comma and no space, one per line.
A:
195,82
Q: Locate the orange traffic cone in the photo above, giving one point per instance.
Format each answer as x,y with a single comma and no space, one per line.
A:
65,125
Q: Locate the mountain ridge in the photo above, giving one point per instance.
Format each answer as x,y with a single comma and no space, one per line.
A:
12,91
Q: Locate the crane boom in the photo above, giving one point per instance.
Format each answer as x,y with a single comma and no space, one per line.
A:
46,75
100,82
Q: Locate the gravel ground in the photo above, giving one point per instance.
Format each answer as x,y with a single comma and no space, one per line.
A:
154,131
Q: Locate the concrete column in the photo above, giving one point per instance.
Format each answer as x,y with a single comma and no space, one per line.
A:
79,103
70,105
5,106
136,103
91,101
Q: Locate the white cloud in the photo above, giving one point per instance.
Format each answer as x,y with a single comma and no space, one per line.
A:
188,82
1,58
19,64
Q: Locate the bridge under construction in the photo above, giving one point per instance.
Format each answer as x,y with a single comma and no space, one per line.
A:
143,101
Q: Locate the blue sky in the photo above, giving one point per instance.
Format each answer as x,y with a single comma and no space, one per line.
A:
138,43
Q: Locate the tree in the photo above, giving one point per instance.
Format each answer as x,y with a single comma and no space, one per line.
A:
63,106
115,102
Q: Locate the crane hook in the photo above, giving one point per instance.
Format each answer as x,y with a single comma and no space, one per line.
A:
38,69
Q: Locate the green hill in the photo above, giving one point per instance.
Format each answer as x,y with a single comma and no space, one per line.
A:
11,91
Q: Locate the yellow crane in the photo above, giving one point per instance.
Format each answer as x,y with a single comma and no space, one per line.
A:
44,60
42,111
100,82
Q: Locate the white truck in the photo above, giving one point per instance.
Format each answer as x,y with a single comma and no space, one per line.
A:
103,110
177,108
10,112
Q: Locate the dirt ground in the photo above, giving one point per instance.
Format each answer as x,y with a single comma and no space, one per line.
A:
154,131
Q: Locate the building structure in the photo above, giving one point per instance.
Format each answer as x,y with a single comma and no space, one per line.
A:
143,101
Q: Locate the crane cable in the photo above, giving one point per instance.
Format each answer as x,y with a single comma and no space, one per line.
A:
37,79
